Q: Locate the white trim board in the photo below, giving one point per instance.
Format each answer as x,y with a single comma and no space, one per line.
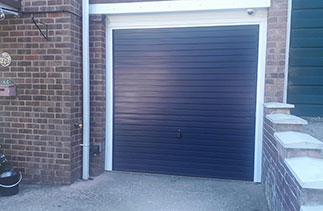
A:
196,19
202,18
289,28
176,6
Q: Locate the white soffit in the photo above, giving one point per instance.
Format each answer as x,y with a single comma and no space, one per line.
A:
176,6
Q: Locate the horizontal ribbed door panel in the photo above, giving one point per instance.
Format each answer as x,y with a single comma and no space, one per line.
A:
201,81
305,74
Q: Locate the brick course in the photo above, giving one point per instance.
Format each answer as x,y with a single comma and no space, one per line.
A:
36,128
281,188
276,51
98,87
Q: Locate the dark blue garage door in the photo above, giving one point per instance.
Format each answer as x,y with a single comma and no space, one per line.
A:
184,101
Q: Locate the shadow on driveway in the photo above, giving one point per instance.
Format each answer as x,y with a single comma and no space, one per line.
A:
116,191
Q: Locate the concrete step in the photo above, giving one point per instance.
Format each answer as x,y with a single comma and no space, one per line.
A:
309,175
286,119
312,208
285,122
297,140
275,107
297,144
307,171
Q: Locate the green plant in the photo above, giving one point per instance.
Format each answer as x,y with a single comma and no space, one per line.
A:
4,164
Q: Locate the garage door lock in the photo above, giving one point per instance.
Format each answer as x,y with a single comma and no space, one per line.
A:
179,133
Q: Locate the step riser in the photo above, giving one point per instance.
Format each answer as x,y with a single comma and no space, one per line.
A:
282,128
296,144
304,153
312,197
284,122
277,111
278,108
272,128
292,153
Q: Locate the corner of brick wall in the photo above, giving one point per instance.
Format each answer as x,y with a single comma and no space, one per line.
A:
76,93
37,132
98,90
282,191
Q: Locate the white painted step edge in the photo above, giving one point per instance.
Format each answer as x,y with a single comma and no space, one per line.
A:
276,105
312,208
307,171
286,119
297,140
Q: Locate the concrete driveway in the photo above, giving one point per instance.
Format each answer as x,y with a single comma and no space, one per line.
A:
116,191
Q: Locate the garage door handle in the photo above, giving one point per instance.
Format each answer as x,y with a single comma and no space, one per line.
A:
179,133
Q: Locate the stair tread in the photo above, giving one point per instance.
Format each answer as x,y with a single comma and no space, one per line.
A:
312,208
286,119
298,140
278,105
307,171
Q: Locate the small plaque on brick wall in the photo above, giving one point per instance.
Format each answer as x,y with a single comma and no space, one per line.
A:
7,88
5,59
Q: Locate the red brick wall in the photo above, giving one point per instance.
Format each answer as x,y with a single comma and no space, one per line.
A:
276,50
98,100
36,128
281,188
76,89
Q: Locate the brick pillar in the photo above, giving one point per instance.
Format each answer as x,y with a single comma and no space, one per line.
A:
281,188
36,127
276,50
98,90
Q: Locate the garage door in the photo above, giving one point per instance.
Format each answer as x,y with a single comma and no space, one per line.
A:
185,100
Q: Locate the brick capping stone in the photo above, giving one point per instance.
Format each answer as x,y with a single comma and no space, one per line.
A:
284,119
292,162
312,208
275,107
295,144
307,171
297,140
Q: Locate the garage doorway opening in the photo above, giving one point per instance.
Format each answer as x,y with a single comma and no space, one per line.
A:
138,46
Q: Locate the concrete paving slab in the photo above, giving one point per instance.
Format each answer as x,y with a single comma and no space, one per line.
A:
314,127
120,191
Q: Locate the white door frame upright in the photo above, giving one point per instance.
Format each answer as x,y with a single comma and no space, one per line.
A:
189,19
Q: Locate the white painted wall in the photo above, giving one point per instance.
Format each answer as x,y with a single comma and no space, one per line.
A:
289,21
